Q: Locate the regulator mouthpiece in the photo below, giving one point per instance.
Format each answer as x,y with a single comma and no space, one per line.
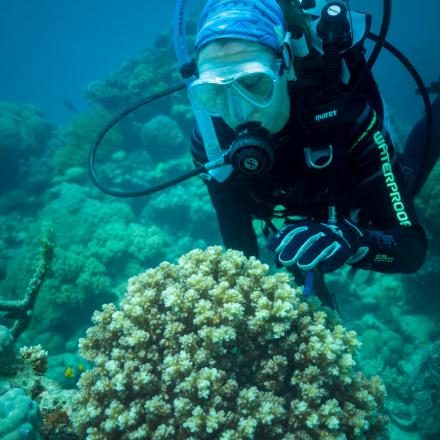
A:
251,153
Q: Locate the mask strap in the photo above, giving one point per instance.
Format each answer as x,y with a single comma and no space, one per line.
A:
293,47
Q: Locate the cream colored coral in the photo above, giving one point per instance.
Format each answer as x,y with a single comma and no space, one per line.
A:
214,347
36,357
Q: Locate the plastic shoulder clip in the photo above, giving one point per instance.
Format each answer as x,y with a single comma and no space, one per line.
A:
299,46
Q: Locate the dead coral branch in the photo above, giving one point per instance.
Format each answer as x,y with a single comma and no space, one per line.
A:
21,310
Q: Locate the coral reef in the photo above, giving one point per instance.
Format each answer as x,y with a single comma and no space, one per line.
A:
428,203
214,347
66,368
163,138
396,318
36,357
196,214
162,127
153,72
8,354
32,406
414,388
72,146
20,416
421,296
426,389
24,134
20,311
100,243
383,343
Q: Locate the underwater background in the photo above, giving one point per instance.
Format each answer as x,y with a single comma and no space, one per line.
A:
67,69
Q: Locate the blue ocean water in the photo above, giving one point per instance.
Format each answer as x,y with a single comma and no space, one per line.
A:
50,51
414,31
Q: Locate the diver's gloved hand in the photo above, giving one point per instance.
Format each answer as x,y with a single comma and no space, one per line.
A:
309,245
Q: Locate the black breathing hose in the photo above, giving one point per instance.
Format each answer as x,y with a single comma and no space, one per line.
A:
125,194
380,42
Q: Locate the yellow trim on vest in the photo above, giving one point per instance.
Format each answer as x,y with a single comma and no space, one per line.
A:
373,121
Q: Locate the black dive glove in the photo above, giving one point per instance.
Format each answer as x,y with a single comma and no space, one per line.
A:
309,245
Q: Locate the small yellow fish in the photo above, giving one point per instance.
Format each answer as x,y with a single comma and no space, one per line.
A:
69,373
81,368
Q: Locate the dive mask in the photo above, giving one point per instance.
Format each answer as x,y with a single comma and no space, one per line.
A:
223,90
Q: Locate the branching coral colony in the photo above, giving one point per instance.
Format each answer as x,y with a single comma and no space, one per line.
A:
215,348
21,310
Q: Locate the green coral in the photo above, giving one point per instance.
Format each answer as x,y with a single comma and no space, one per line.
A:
146,244
20,416
24,135
426,392
20,311
185,209
163,138
72,148
8,353
428,201
99,245
153,72
23,129
214,347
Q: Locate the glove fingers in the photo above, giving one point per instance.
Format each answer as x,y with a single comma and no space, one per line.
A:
297,245
276,240
286,239
317,253
307,245
337,260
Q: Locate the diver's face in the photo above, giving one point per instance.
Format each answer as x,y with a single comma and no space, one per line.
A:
220,59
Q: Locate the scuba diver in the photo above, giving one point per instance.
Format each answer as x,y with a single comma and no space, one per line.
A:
290,124
321,153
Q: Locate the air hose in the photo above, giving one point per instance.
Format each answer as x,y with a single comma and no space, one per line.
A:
380,43
125,194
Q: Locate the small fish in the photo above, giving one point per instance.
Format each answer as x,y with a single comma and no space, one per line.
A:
433,89
69,373
80,368
70,106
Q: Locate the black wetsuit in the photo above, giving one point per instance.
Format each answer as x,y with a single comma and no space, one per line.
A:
368,181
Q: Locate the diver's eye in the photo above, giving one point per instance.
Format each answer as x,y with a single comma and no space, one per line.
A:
249,81
258,86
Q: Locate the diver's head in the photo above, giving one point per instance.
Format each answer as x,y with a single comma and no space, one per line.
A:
242,72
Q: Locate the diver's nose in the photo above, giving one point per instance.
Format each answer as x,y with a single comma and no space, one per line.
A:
239,110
